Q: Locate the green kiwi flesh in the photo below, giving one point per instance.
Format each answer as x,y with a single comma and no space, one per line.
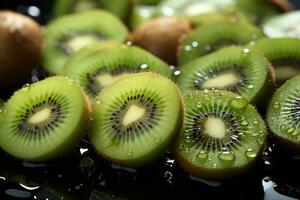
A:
284,55
44,120
135,118
100,68
215,35
236,69
222,135
68,34
283,114
116,7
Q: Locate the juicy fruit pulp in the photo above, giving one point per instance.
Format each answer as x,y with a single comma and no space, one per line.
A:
221,137
44,120
99,68
283,113
239,70
135,118
67,34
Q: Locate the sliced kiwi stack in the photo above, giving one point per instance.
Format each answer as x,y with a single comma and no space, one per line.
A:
67,34
222,135
116,7
215,35
98,69
135,118
283,114
284,55
236,69
44,120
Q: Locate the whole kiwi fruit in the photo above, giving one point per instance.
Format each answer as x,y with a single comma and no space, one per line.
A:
161,36
20,49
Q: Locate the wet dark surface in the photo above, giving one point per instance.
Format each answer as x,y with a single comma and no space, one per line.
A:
84,175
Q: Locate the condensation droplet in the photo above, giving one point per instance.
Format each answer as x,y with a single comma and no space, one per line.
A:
250,153
187,48
195,44
244,123
129,153
226,155
246,50
276,105
144,66
239,102
177,72
202,155
250,86
255,122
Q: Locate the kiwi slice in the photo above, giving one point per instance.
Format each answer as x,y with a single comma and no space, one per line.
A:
44,120
222,135
240,70
100,68
67,34
116,7
285,25
260,10
284,55
215,35
135,118
283,114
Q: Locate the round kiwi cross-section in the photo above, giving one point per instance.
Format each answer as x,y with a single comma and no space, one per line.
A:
284,113
135,118
100,68
241,70
284,55
215,35
67,34
222,135
44,120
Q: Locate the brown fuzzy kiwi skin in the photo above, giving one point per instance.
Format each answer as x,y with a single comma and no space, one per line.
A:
161,37
216,174
175,131
20,49
282,5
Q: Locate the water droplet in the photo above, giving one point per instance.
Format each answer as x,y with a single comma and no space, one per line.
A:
250,86
172,67
177,72
207,47
215,165
255,122
187,139
244,123
129,153
202,155
239,102
282,127
187,150
205,90
128,43
291,131
252,43
226,155
78,187
98,102
246,50
195,44
181,146
276,105
198,105
255,134
144,66
187,48
250,153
